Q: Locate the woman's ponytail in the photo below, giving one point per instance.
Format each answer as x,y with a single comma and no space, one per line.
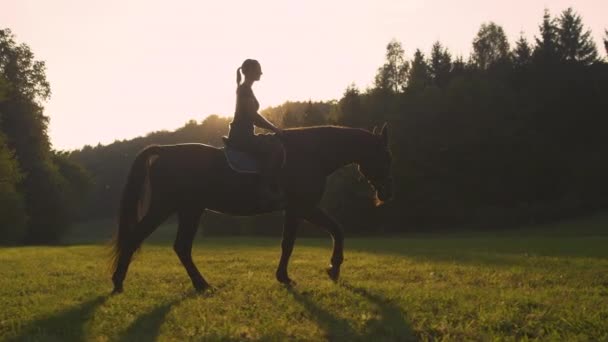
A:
238,77
247,66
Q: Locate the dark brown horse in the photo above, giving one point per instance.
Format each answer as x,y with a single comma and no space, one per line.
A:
188,179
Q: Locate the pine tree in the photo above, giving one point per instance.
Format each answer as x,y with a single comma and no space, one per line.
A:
574,44
351,113
440,65
546,51
522,54
419,77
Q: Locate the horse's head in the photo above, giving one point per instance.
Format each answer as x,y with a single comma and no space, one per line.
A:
376,166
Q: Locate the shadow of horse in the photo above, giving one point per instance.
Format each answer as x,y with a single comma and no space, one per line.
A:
68,325
335,328
147,326
390,324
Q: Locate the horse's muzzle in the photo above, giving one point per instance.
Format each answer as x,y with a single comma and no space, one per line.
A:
385,193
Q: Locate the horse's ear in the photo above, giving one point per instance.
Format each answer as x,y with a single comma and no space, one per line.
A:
384,134
375,130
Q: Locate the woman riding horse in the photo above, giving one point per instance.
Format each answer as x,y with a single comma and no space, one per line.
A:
241,136
188,179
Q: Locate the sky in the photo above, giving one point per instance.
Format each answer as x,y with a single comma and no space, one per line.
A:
123,68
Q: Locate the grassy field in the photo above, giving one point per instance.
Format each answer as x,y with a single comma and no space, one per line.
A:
546,283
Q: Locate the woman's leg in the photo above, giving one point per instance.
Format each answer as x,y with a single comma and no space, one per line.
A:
271,153
268,151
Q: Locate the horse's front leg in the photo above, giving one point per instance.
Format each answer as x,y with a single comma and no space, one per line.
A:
321,219
289,237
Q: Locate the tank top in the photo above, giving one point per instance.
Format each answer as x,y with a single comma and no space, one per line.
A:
242,124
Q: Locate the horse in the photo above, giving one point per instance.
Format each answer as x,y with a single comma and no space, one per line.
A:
188,179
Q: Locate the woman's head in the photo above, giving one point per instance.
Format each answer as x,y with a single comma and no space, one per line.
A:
251,69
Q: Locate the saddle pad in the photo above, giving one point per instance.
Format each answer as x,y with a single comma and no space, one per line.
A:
241,161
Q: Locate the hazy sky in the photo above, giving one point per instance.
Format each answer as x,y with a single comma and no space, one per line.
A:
122,68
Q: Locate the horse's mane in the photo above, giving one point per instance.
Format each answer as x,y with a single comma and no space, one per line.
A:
323,135
319,137
322,128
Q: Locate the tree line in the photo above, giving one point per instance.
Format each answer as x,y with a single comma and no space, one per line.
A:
512,134
39,188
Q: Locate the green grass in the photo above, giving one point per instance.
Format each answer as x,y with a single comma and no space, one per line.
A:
546,283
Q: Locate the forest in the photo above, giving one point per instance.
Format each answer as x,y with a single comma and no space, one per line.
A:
510,135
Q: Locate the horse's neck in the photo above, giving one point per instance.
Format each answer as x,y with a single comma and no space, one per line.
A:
344,147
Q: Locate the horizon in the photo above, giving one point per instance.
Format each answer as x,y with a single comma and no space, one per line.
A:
155,67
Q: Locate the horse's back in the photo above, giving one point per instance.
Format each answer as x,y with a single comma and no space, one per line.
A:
199,174
185,160
189,152
188,148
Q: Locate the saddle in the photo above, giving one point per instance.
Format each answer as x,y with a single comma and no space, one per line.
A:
238,160
241,161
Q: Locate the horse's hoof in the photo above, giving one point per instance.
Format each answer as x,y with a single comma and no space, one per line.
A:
203,288
289,284
333,273
285,280
117,290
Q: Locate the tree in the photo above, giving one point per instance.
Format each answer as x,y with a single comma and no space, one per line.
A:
78,181
23,73
459,66
546,51
574,44
351,113
12,208
490,46
25,127
290,119
606,41
312,115
522,54
494,148
419,76
392,76
440,65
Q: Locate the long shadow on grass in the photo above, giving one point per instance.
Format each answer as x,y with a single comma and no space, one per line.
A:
335,328
490,251
389,326
68,325
147,326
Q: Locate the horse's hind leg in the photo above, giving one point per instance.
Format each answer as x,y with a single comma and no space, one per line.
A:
187,227
321,219
140,232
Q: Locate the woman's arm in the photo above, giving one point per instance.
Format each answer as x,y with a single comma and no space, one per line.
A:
262,122
250,107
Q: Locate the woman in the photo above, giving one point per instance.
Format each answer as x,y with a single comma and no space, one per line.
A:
242,137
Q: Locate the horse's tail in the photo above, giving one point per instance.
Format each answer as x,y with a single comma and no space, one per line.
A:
133,197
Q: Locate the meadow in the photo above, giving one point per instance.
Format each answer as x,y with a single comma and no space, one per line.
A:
532,283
